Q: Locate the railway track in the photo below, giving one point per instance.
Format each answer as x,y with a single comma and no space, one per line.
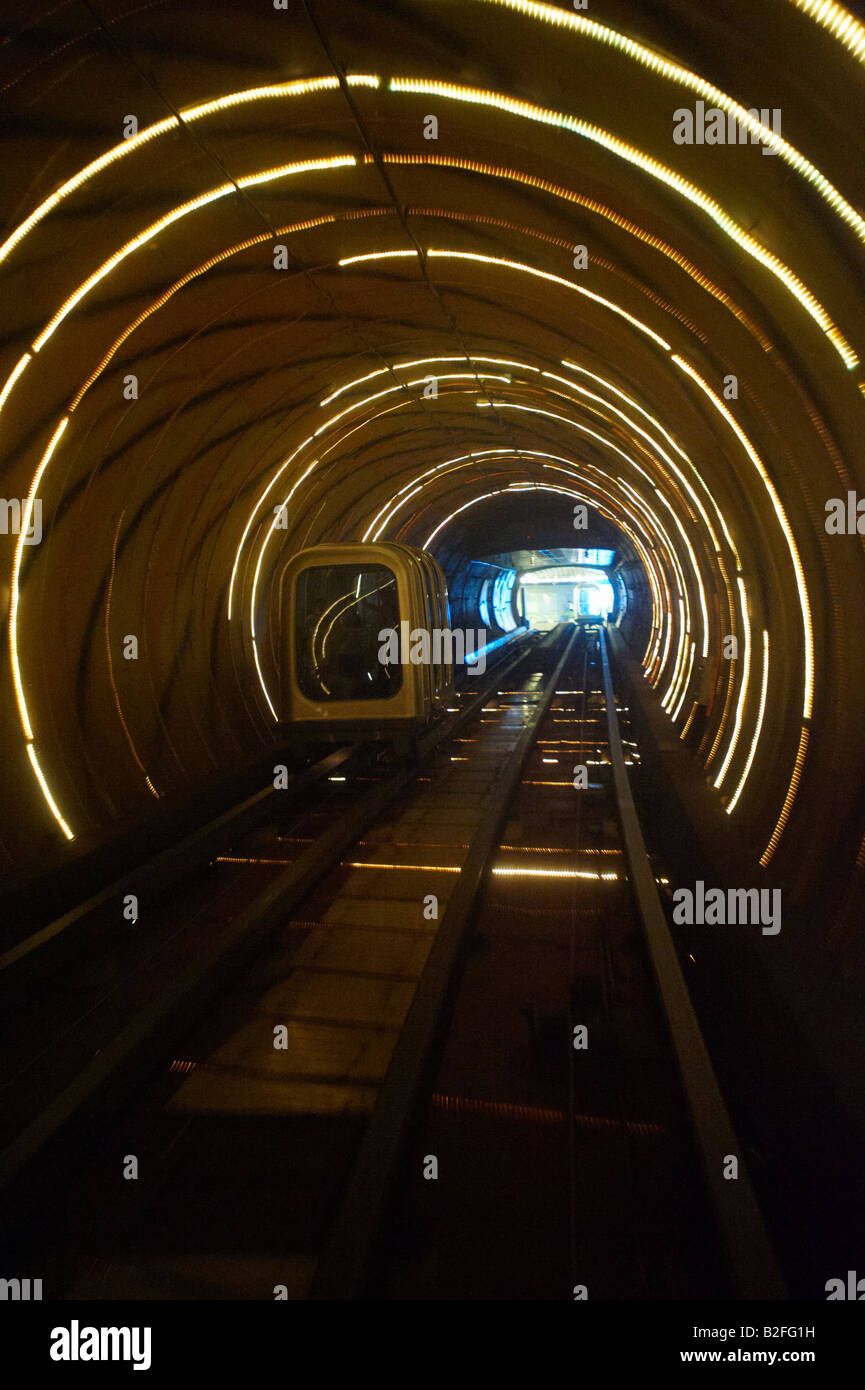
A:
80,1022
448,1057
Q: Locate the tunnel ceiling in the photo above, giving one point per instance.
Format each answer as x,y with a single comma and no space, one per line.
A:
280,274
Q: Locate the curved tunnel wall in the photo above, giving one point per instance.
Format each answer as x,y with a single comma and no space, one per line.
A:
373,277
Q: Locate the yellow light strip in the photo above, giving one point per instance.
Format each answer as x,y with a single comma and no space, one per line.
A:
743,686
733,667
506,870
838,20
385,514
110,157
685,683
163,299
599,209
541,487
759,725
556,280
602,381
679,664
633,427
656,170
696,568
191,113
789,798
689,721
804,601
417,484
14,601
202,269
14,595
422,362
13,377
193,205
55,809
277,89
274,520
654,673
403,386
321,429
563,419
655,676
376,256
261,680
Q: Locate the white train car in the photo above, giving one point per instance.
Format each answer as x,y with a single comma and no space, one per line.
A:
336,601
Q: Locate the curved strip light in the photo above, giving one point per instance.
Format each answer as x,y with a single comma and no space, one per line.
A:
569,195
556,280
266,175
804,601
630,528
194,205
653,167
186,116
743,689
731,805
842,25
14,600
838,20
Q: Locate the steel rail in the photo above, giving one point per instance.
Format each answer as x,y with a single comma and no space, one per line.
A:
52,944
131,1053
750,1259
347,1264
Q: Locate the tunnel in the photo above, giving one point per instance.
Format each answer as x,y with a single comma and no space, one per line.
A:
508,282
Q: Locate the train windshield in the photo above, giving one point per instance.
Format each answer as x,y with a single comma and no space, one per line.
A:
339,612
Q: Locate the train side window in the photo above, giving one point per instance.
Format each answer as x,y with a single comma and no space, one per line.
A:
339,611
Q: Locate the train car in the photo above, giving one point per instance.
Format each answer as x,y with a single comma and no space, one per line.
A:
339,678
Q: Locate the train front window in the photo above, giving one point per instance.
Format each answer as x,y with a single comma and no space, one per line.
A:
339,612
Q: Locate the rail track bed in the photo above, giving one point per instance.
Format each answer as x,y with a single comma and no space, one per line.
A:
430,1059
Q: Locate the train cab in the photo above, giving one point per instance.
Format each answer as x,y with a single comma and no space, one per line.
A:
347,614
